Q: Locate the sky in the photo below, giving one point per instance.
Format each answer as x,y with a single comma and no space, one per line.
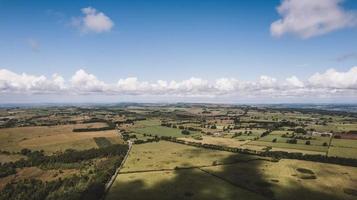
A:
256,51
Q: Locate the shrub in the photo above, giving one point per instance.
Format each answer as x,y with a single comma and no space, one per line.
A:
274,140
308,142
185,132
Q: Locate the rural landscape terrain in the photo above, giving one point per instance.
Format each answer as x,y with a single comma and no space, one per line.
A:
178,100
177,151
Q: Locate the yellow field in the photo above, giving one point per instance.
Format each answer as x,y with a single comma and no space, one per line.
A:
53,138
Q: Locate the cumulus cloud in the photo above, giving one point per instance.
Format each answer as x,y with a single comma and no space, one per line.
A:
335,80
22,83
308,18
294,82
329,83
83,82
92,21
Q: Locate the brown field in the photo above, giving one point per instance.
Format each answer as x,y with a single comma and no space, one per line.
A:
10,158
53,138
36,173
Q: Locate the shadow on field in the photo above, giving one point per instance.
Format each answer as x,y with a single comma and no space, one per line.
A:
245,179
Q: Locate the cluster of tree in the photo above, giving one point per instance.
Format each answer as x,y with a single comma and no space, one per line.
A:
265,133
149,140
37,158
291,141
6,170
300,137
300,130
89,185
170,125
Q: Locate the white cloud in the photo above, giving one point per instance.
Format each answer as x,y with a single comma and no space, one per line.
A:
331,83
93,21
294,82
84,82
308,18
334,79
13,83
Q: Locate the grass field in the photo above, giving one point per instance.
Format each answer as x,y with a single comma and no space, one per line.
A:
183,184
334,127
155,171
53,138
285,145
344,143
285,181
161,131
228,142
343,148
168,155
343,152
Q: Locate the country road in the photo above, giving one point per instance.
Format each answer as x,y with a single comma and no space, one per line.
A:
110,183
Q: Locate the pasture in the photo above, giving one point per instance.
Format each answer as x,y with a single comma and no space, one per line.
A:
165,170
53,138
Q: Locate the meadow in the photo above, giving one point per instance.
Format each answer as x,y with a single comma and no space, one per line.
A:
53,138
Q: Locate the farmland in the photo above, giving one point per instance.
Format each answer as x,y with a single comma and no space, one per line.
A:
178,151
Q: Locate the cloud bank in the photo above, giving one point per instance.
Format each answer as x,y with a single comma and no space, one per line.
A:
308,18
92,21
330,83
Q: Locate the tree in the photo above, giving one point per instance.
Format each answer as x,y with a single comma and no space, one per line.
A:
185,132
213,127
307,142
274,140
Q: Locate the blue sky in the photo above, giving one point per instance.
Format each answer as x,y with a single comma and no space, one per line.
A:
168,40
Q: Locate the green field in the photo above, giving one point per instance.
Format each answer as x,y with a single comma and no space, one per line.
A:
343,152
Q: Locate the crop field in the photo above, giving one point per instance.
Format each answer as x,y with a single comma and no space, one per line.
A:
52,139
